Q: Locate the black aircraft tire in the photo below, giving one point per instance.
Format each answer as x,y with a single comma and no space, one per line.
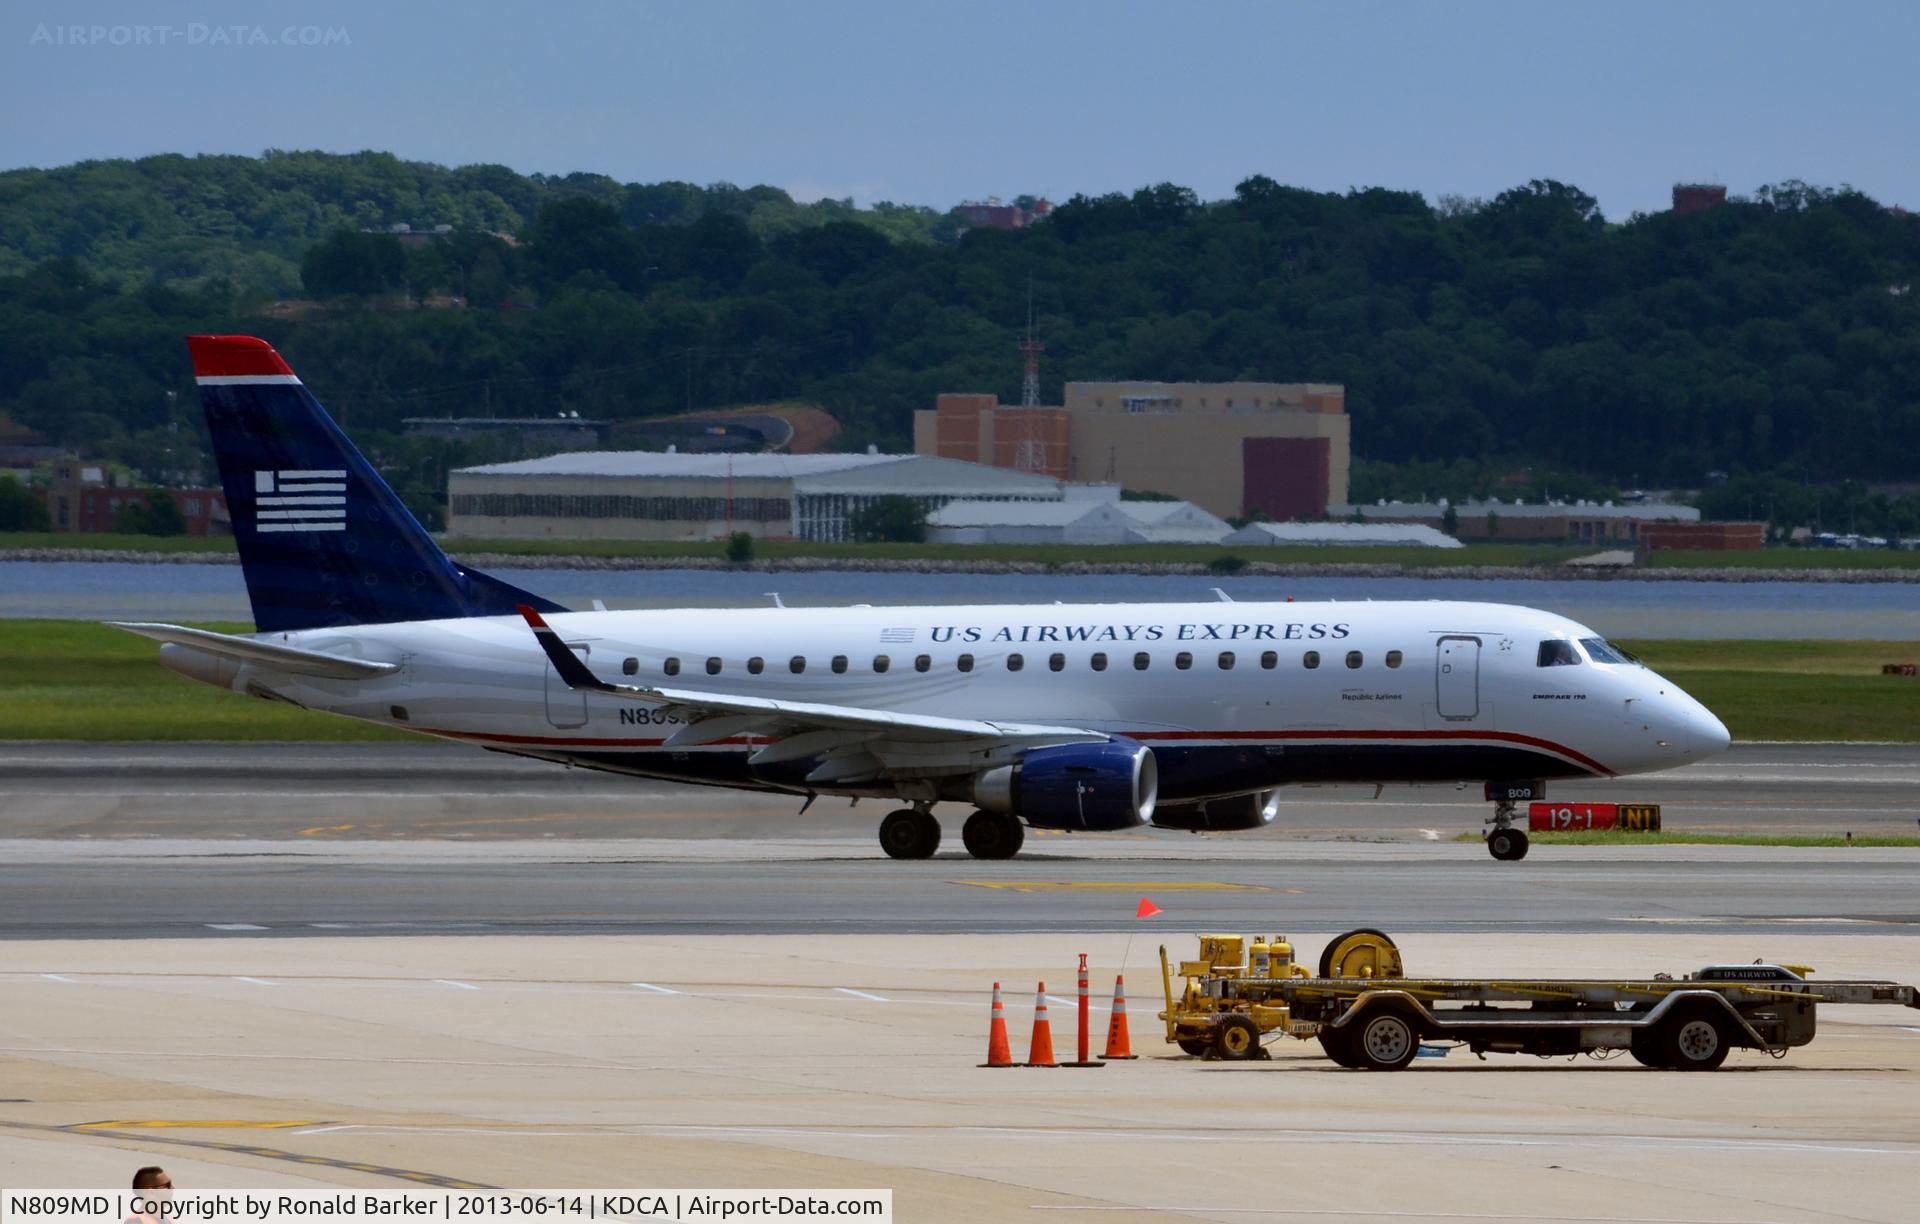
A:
907,834
993,835
1507,845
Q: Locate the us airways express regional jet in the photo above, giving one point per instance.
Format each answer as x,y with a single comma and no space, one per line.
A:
1185,716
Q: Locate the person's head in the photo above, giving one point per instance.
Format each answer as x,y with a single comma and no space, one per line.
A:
152,1177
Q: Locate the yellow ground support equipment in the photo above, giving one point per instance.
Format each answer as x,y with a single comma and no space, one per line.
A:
1366,1013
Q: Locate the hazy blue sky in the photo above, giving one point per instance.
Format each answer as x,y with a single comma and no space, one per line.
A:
931,104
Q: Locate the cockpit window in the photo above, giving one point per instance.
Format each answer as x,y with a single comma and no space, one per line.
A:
1602,651
1558,652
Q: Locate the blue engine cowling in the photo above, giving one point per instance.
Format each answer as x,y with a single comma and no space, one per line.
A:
1229,815
1076,786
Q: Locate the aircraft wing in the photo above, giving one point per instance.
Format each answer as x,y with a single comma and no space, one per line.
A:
864,742
268,654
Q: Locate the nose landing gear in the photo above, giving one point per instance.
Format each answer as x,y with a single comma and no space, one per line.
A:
1506,843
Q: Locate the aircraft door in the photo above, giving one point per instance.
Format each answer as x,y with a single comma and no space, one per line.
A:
1457,679
566,707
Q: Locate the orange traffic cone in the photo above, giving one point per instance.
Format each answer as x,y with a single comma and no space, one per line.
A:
1118,1043
998,1055
1040,1053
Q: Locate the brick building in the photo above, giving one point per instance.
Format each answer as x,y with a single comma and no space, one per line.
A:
1232,448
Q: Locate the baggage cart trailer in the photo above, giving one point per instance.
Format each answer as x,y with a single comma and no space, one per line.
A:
1367,1014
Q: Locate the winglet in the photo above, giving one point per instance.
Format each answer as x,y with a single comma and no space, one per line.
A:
566,663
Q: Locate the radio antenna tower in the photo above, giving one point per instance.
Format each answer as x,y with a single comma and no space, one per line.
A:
1031,350
1031,454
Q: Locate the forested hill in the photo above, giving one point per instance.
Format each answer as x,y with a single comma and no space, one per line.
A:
248,221
1775,334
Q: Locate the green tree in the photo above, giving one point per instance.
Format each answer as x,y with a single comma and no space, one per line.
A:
892,518
1450,520
20,509
348,262
740,547
158,515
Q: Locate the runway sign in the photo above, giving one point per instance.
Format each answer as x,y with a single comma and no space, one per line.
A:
1593,817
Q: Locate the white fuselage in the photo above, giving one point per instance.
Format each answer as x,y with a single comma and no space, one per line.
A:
1230,696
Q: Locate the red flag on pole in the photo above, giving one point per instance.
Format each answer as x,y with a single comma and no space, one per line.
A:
1147,909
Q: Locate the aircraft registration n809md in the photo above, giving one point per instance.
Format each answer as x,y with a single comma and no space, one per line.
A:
1080,717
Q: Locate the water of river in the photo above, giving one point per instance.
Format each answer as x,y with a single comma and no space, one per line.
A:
1618,608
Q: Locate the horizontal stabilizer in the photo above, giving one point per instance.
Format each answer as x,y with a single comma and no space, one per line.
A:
267,654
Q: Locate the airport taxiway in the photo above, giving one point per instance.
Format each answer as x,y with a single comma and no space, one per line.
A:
507,973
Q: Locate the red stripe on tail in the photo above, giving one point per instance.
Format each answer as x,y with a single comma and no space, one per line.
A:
233,356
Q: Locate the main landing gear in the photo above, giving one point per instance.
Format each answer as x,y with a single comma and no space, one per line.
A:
1506,843
913,833
910,833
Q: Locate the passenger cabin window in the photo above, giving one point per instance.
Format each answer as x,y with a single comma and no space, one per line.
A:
1015,662
1056,662
964,663
1099,660
839,665
1226,660
881,663
1142,660
1310,660
671,667
923,663
1394,658
1269,659
630,668
1558,652
756,665
797,664
1353,659
713,666
1183,660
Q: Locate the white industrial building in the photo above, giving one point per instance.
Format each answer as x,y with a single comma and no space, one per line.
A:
1086,514
1402,534
647,495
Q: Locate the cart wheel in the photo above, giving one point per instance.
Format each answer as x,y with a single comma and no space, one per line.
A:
1236,1038
1694,1038
1644,1045
1334,1044
1387,1038
1360,950
1196,1046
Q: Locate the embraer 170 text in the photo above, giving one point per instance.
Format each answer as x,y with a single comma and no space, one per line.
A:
1185,716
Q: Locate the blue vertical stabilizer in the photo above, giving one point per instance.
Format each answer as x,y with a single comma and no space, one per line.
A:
323,540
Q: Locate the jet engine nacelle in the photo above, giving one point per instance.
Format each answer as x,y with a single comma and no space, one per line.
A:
1075,786
1227,815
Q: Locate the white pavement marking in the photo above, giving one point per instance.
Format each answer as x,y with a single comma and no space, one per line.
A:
253,980
1909,1028
458,985
655,989
861,994
234,926
56,977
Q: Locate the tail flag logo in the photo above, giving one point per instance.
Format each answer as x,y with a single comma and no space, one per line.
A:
300,500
